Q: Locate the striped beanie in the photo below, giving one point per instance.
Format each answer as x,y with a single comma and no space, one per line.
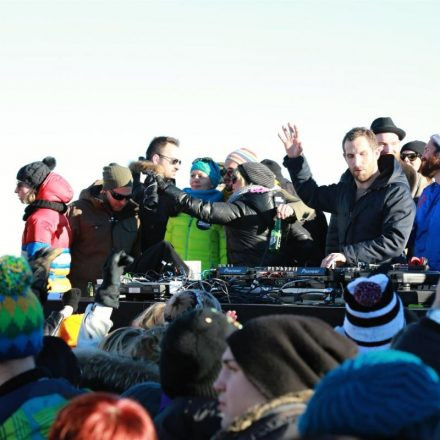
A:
241,155
373,312
375,395
21,315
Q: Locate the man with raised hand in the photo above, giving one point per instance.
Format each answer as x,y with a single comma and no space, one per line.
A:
374,208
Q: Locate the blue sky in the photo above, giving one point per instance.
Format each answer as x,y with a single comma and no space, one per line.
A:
91,82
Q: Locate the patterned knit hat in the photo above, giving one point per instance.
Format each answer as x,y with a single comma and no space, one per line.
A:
241,155
116,176
21,315
375,395
373,312
35,173
258,174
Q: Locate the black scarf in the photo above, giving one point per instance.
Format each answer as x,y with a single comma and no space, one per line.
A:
38,204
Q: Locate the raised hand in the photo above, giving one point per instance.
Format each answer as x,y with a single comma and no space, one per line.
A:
291,140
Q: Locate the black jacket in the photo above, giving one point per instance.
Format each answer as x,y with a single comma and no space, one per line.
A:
376,227
248,223
195,418
154,208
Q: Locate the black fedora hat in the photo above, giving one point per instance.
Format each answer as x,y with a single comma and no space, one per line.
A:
386,125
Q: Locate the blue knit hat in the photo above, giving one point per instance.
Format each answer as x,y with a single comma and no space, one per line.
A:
376,394
209,167
21,315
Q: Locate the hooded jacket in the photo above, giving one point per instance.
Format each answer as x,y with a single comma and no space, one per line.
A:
47,225
97,230
376,227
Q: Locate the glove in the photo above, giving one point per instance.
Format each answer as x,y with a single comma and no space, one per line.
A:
40,264
151,197
108,292
71,298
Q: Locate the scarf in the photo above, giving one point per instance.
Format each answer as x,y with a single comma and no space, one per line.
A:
207,195
39,204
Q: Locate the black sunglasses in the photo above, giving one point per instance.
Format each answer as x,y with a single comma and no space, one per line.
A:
120,197
171,160
411,156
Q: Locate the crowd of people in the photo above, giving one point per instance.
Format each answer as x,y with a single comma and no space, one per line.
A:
184,369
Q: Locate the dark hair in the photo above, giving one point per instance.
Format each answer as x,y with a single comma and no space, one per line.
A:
158,143
356,132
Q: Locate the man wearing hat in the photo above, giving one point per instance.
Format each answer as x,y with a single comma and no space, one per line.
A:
269,370
104,219
411,155
389,137
29,400
427,222
372,201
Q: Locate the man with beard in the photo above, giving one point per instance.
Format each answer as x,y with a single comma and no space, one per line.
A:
427,223
374,208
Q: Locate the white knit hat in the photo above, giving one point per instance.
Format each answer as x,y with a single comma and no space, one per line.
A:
373,312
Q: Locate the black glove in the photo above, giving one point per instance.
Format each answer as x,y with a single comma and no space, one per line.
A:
161,183
71,298
108,292
151,197
40,264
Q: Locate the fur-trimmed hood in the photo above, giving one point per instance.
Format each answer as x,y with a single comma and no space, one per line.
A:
275,419
103,371
142,166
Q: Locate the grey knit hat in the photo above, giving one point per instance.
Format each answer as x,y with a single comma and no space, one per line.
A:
35,173
258,174
116,176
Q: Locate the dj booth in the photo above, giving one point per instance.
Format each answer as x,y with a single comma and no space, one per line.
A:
256,291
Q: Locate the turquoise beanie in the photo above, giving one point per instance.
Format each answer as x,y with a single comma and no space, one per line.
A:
210,168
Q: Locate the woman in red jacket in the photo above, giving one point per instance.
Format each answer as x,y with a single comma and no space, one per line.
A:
46,194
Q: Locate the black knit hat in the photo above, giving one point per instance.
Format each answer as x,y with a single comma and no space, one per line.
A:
386,125
35,173
280,354
416,146
191,353
257,173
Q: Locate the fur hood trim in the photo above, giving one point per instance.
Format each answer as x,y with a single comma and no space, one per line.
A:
103,371
142,166
297,400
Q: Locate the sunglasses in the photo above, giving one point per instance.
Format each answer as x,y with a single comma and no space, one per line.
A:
171,160
411,156
120,197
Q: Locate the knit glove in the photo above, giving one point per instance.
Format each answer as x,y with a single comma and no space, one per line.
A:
108,293
40,264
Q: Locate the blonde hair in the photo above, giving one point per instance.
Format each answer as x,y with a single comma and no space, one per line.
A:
150,317
30,197
240,178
